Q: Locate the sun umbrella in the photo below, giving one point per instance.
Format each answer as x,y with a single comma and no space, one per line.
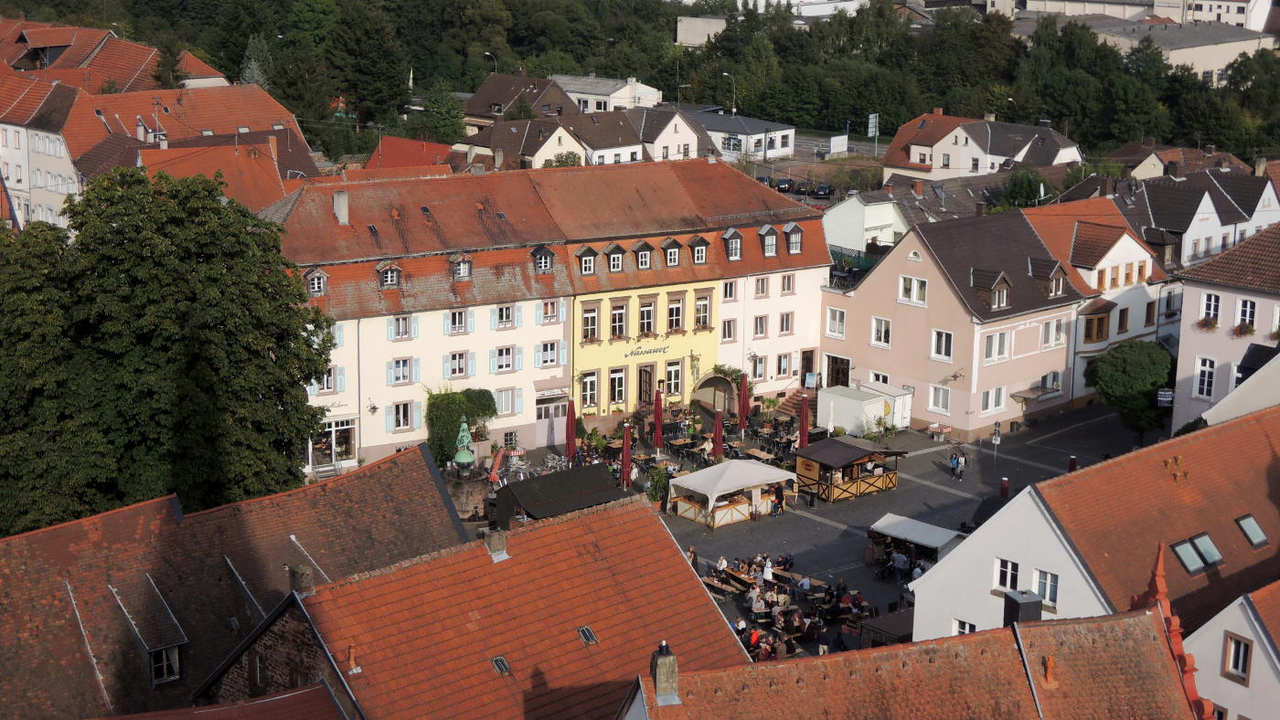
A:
624,472
570,433
657,419
803,439
717,436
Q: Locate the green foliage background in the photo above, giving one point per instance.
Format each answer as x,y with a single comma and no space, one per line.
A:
1127,377
445,411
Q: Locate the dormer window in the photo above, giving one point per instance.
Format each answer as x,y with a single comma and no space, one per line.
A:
673,257
734,248
587,264
1000,298
462,270
614,253
644,259
495,108
317,284
1057,285
793,241
164,665
769,240
391,277
700,255
543,260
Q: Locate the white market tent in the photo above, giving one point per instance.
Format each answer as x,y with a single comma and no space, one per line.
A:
720,480
918,533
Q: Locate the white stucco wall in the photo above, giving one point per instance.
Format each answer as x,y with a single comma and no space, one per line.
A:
14,165
805,333
1258,698
749,152
962,585
51,176
670,144
616,155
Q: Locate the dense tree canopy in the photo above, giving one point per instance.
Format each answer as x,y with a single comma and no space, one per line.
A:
1127,377
165,349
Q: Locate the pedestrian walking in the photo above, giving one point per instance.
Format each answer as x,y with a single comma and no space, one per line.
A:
955,465
961,462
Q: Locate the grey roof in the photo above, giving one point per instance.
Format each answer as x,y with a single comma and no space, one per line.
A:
650,122
1008,139
602,130
715,119
941,199
588,84
1176,36
1169,204
1000,243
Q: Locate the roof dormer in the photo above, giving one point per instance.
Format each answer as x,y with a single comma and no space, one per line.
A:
732,244
460,267
543,260
389,275
317,282
769,240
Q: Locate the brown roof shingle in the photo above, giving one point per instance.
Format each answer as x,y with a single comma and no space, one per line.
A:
313,702
1253,265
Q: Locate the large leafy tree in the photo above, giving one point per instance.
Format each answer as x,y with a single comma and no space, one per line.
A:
1127,377
163,348
368,60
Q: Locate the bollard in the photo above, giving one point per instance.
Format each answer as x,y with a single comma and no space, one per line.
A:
1004,488
1072,464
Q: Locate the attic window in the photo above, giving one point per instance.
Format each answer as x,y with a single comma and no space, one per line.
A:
495,108
542,261
390,277
1252,531
914,256
1197,553
316,284
587,635
242,129
502,666
164,665
1057,285
501,215
1000,298
462,270
206,133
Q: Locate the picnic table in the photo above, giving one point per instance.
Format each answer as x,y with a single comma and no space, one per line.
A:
714,584
615,444
760,455
734,444
736,576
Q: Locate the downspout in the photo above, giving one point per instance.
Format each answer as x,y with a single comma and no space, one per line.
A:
1031,682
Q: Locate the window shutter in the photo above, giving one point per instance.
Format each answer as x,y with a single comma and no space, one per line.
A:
417,414
448,328
391,328
537,315
313,387
337,335
471,364
562,309
391,380
519,352
445,369
414,327
519,400
493,319
417,370
564,353
519,313
471,321
390,413
341,379
537,357
493,361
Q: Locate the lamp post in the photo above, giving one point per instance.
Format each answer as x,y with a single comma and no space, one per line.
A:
734,83
495,60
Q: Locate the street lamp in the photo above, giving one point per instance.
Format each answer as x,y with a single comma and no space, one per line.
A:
495,60
735,91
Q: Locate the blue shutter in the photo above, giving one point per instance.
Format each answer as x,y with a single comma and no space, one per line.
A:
414,331
564,353
519,400
471,321
518,311
448,328
391,328
537,314
493,319
493,361
313,387
417,370
519,351
537,357
445,369
337,335
390,413
391,378
342,379
471,364
561,304
417,414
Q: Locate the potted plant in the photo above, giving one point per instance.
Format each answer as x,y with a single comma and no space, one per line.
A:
1243,330
1207,323
656,489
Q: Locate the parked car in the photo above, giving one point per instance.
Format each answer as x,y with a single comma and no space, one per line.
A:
765,180
823,190
802,188
784,185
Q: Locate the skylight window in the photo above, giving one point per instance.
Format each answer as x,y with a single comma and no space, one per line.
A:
1189,557
1206,548
502,666
1249,526
588,635
1197,553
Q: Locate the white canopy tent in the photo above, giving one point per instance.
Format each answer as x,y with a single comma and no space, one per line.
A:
724,479
918,533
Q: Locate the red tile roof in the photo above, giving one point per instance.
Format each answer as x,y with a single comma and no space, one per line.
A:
1108,667
91,81
194,68
1059,227
926,129
1266,601
129,65
313,702
1118,513
400,152
21,97
426,632
249,171
81,43
397,172
1253,265
217,571
10,30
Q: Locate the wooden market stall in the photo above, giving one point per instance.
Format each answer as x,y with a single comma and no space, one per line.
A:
726,493
845,467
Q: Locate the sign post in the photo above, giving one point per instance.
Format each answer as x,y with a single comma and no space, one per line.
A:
995,447
873,131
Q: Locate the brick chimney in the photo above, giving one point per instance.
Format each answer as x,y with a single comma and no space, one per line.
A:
662,668
917,187
301,579
496,543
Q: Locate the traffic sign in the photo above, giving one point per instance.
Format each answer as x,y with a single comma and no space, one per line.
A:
1164,397
873,125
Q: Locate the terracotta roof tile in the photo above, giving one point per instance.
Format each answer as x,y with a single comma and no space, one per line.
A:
926,129
217,570
1115,666
249,171
1092,241
126,64
1060,227
398,172
1252,265
1118,513
427,631
91,81
400,152
195,68
313,702
21,97
1266,601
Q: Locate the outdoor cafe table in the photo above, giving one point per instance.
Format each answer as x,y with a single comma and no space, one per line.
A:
760,455
615,444
679,442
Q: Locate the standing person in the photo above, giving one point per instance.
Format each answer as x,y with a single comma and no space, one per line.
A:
692,557
901,564
767,573
961,462
780,495
825,636
955,465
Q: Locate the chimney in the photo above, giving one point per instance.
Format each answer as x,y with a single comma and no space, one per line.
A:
937,111
889,189
1021,606
917,187
496,542
1108,186
498,157
980,208
1260,167
141,130
301,580
662,668
1171,168
340,209
989,117
164,142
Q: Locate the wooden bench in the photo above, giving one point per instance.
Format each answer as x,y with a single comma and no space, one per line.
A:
716,585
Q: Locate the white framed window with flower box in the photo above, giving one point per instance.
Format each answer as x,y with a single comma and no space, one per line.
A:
618,322
1210,306
1246,314
590,325
702,312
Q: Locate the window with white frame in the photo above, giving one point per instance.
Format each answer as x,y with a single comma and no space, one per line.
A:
673,257
699,254
702,312
673,377
1252,530
993,399
587,263
401,370
402,416
963,627
762,287
760,326
1000,298
617,386
877,376
729,289
315,284
759,365
646,318
770,245
504,401
784,364
1248,315
913,290
402,327
506,358
542,262
785,322
880,334
1206,368
618,321
550,311
549,354
325,383
457,364
462,270
615,262
728,329
506,316
788,284
588,389
457,322
1057,285
1211,306
643,259
1006,574
835,323
1051,381
942,340
996,347
1236,658
390,278
675,315
793,242
1052,333
940,399
1047,586
164,663
1197,553
734,248
590,326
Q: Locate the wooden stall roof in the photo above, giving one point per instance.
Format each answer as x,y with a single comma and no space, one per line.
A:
843,451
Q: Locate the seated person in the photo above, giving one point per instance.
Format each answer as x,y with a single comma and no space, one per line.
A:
721,565
758,606
771,597
753,594
803,584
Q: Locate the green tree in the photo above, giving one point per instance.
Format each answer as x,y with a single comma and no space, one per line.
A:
564,159
165,349
257,63
313,18
167,72
445,411
1127,377
1025,188
441,116
368,61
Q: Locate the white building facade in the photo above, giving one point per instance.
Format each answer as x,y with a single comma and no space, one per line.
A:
1237,659
602,94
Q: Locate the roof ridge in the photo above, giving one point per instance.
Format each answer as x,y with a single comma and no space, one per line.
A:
132,506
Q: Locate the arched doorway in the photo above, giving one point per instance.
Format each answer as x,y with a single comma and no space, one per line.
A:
717,392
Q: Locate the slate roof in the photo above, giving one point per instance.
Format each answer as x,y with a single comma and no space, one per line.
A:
1107,667
1252,265
209,576
602,130
1119,513
1170,204
940,199
650,122
249,171
403,152
505,90
998,243
565,491
715,119
313,702
927,130
427,631
516,139
1008,139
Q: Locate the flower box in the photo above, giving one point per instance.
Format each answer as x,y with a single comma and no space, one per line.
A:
1207,323
1243,330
